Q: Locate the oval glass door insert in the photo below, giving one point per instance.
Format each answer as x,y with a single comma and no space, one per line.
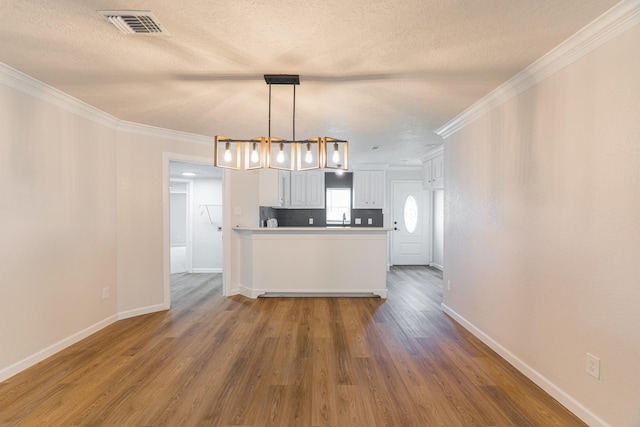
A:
410,214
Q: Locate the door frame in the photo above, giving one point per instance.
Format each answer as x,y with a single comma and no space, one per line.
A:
189,236
432,194
167,157
426,219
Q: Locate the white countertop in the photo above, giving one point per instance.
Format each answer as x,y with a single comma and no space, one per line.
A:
313,229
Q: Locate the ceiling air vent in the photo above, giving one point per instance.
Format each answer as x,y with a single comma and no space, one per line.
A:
134,21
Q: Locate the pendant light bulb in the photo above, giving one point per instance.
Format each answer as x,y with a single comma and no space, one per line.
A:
227,152
336,154
308,157
280,157
254,153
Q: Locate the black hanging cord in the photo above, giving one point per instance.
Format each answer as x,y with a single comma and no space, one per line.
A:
294,112
269,111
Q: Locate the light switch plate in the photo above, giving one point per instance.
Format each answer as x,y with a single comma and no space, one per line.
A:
358,221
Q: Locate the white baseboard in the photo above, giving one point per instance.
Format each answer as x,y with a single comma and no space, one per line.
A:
206,270
438,266
247,292
29,361
39,356
143,310
556,392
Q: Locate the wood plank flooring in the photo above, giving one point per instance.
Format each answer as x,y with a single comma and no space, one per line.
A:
215,361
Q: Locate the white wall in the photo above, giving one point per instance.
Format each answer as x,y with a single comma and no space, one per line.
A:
81,208
57,227
140,191
178,218
542,230
241,208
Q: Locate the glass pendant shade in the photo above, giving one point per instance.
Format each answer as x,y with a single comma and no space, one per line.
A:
255,153
227,153
309,154
336,153
280,154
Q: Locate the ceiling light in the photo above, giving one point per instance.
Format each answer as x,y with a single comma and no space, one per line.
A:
278,153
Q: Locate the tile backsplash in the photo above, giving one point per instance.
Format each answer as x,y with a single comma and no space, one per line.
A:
300,217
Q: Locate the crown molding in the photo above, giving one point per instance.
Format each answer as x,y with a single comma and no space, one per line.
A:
433,153
156,132
612,23
30,86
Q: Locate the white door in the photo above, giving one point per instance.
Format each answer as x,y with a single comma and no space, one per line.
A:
409,237
438,229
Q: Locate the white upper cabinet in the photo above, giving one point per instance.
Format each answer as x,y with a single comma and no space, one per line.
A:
368,189
433,172
307,189
274,188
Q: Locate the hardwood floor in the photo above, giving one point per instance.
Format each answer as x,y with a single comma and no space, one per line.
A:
214,361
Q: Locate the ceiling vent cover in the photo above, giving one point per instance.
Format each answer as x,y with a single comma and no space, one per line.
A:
134,21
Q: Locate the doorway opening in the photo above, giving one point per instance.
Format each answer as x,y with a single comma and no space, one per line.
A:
195,227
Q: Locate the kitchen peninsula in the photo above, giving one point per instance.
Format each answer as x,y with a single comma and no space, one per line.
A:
304,261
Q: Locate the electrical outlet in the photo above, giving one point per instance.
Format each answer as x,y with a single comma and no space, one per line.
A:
369,221
105,292
237,210
593,366
358,221
448,285
310,221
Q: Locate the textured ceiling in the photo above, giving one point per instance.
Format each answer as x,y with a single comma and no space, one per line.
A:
384,73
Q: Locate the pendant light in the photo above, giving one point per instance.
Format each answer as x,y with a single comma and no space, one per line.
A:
227,153
277,153
336,153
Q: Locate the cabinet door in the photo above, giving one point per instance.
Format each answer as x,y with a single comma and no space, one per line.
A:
315,189
274,188
284,189
361,189
426,174
437,172
368,189
376,189
299,189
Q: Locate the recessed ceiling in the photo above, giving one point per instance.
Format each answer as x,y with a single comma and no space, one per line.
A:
376,73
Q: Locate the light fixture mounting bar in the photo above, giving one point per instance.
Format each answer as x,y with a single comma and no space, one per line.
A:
282,79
